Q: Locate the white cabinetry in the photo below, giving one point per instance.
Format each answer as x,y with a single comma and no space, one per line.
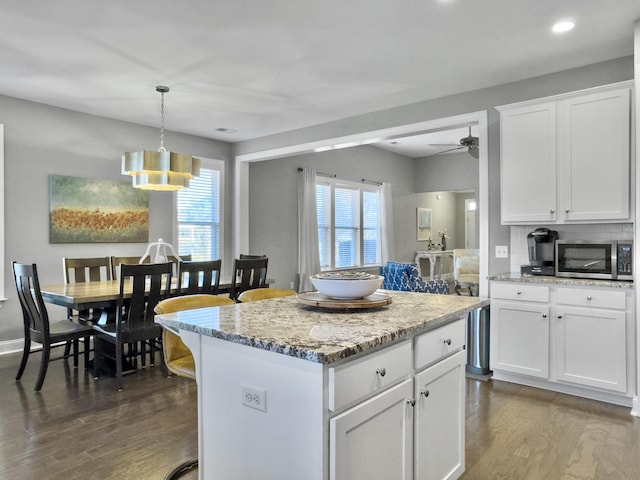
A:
591,348
411,430
573,339
520,329
567,158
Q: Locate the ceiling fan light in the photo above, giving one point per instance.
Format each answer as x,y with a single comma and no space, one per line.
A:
563,26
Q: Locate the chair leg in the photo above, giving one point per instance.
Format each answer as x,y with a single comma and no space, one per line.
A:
75,353
87,348
119,348
97,357
25,356
44,364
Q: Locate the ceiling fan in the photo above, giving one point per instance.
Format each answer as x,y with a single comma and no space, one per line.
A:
469,142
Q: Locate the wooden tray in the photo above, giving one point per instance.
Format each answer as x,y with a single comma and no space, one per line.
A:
320,300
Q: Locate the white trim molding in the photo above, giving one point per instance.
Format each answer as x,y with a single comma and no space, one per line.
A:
3,297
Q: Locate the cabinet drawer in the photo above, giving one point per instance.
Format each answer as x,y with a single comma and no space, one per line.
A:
439,343
511,291
585,297
370,374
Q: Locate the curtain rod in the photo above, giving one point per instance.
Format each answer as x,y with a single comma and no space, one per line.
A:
374,182
332,175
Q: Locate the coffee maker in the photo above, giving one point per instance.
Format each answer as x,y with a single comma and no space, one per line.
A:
541,245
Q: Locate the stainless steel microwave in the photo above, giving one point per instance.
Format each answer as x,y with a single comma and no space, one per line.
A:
607,260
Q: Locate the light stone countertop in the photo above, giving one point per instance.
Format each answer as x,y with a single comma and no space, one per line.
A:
283,325
576,282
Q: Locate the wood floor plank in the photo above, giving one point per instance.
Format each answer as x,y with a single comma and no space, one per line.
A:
78,428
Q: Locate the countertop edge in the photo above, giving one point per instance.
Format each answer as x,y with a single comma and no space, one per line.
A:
575,282
170,321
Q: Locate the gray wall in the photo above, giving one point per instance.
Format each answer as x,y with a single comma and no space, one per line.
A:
485,99
41,140
273,201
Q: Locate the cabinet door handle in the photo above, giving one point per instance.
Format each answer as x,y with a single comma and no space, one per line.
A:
559,316
447,341
412,402
425,393
552,211
381,371
588,297
566,211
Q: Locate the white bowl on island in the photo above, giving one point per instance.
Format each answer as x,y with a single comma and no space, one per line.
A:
346,285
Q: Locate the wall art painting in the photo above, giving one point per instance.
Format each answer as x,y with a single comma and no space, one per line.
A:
88,210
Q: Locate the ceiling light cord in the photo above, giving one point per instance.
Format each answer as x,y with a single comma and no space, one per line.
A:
162,91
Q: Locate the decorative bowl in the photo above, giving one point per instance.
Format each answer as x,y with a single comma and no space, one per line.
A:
346,285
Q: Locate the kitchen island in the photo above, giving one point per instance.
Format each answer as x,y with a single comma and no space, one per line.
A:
292,391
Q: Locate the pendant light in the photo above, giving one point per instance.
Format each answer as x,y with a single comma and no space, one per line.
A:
161,170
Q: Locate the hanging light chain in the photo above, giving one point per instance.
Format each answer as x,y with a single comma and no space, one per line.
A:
162,91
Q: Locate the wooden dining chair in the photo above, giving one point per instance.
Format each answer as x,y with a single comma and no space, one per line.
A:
117,261
177,356
80,270
38,328
257,294
134,327
198,277
248,273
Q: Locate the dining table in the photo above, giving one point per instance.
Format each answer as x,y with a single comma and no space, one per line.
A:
100,295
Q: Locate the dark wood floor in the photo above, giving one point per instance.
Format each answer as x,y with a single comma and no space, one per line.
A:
78,428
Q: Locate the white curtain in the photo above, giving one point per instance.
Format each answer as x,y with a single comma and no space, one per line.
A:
386,223
308,252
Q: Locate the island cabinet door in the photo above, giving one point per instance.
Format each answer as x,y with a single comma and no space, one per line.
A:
374,439
439,420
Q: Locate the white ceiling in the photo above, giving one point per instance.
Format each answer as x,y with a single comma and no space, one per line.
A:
262,67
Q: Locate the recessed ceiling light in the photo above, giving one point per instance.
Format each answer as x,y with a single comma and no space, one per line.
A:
563,26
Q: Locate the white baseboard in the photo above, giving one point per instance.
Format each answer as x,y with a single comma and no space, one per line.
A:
11,346
635,407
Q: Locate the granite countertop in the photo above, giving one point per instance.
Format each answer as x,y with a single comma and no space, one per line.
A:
576,282
283,325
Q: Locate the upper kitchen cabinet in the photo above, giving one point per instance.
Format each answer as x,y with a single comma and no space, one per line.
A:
567,159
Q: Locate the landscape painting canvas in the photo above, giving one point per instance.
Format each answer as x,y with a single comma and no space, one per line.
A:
87,210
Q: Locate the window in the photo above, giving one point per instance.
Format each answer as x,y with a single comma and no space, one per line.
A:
199,213
348,224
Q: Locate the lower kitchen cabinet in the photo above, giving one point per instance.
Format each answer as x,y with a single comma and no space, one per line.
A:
413,430
520,337
439,420
573,339
591,347
358,450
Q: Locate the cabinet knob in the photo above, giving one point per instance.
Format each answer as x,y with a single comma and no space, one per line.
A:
447,341
566,211
552,211
588,297
559,316
425,393
381,371
518,292
412,402
544,315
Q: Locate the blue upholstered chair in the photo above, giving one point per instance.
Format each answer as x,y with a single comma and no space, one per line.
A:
405,277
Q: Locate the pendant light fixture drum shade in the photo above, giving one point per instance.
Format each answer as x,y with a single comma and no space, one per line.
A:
161,170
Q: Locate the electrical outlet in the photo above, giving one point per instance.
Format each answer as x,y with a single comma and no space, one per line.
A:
502,251
254,397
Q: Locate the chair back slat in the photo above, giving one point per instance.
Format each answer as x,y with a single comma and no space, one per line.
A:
199,277
34,311
86,269
150,283
248,273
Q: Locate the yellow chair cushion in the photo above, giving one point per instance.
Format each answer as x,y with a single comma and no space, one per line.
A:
177,355
264,293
